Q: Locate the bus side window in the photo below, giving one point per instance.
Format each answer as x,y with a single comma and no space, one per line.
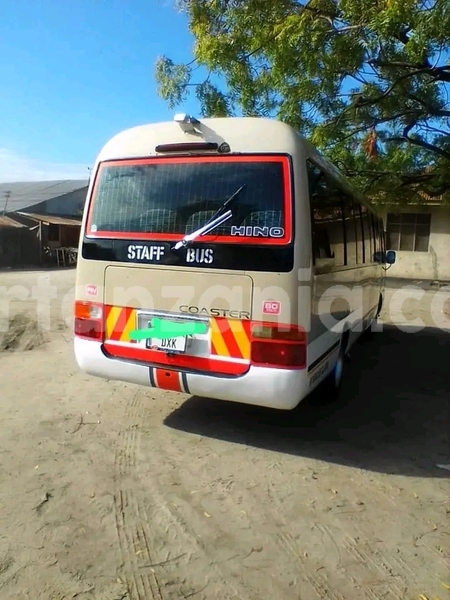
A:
321,241
353,234
368,234
373,224
377,235
361,236
328,234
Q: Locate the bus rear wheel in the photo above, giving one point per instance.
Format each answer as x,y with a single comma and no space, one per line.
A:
369,333
331,386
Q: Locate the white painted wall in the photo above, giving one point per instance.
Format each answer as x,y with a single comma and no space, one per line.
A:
434,264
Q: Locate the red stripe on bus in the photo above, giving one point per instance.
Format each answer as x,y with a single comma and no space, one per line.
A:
195,363
167,380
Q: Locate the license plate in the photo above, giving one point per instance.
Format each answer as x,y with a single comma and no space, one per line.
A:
174,344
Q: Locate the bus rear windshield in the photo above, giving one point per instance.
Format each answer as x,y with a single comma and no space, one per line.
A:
167,198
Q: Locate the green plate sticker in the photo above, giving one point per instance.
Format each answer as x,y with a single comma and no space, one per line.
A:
162,329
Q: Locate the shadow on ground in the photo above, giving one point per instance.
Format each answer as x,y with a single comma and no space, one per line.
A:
393,415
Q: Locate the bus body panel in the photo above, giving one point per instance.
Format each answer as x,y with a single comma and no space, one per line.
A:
271,388
134,279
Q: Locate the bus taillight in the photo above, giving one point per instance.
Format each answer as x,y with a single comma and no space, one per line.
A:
278,346
88,320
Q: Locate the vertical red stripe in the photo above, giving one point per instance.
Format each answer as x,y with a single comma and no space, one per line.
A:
248,326
106,311
168,380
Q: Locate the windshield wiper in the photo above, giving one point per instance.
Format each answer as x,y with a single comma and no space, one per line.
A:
220,216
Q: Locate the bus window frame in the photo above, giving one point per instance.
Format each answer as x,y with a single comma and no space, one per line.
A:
289,199
357,203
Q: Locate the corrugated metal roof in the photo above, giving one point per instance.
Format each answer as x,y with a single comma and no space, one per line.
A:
21,195
8,222
51,219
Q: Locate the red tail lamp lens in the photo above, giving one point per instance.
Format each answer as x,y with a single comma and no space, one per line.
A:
88,320
278,346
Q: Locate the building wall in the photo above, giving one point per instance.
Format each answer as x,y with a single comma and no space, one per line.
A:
18,247
60,236
68,205
434,264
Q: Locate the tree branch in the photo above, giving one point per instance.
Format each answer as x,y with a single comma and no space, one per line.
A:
439,73
432,111
376,122
362,102
320,12
421,144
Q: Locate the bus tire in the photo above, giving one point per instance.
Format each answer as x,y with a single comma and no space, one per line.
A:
370,331
331,387
380,306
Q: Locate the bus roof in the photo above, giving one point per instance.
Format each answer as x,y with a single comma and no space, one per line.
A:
257,135
242,134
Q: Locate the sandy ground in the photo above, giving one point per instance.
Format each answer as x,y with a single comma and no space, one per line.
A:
110,491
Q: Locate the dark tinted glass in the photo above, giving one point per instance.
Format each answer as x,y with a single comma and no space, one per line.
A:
180,197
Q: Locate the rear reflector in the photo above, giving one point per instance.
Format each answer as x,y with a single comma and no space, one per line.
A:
88,320
278,346
279,354
88,328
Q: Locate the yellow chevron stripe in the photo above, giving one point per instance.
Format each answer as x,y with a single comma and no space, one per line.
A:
130,325
241,337
111,321
217,339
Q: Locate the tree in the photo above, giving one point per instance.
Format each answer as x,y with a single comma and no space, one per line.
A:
367,81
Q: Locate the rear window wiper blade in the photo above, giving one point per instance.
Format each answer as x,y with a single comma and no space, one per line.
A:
220,216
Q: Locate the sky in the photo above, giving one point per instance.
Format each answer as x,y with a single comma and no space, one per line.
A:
74,74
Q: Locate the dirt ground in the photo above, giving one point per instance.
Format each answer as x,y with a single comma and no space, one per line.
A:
109,491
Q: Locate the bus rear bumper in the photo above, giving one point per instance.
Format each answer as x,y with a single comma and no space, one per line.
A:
272,388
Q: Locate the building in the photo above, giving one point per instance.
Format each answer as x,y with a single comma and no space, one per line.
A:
40,221
63,198
420,234
18,243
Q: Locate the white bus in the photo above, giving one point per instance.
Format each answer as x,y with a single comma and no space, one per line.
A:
224,258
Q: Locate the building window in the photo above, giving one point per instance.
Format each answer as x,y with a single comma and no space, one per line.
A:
409,232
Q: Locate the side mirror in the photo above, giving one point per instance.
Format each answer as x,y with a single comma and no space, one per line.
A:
391,257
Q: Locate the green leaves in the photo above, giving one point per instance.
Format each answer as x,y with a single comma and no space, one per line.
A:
337,70
173,80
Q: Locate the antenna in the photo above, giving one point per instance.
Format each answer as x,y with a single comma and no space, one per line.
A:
7,197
